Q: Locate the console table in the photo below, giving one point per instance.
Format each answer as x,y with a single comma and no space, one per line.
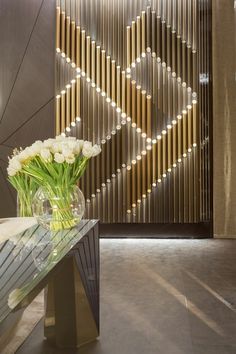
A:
66,264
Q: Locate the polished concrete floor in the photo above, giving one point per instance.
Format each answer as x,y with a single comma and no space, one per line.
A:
162,297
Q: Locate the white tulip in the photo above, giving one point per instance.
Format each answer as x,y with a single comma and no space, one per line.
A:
71,144
15,163
45,154
23,156
87,149
67,152
14,166
48,143
78,147
70,159
36,147
96,150
11,172
56,147
59,158
60,138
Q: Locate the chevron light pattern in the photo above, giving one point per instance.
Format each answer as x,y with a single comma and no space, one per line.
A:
127,79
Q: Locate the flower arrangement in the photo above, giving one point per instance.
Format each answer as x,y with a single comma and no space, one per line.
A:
55,164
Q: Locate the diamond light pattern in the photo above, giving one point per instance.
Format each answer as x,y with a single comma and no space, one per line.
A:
132,88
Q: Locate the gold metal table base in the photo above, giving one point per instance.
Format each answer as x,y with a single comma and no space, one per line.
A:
69,320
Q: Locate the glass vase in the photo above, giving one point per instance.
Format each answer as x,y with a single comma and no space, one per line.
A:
58,207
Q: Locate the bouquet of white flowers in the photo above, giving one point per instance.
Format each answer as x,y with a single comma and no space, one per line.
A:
56,164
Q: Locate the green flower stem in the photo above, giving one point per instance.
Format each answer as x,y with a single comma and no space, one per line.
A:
26,189
60,201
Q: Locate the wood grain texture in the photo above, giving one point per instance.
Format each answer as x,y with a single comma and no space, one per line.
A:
224,122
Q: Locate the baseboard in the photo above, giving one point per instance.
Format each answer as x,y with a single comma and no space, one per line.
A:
159,230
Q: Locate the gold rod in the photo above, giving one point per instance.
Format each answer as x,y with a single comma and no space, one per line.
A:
98,66
103,64
189,66
164,153
158,40
128,46
179,139
153,31
58,114
144,175
173,51
194,124
133,46
78,53
83,54
194,73
88,56
189,127
144,110
108,77
128,95
128,189
113,154
78,114
184,59
133,100
174,135
93,187
63,111
139,177
58,28
168,46
103,163
184,133
93,64
72,30
149,116
138,93
68,38
113,81
68,105
149,171
143,24
163,41
73,101
134,184
118,87
124,144
154,162
63,32
138,36
169,147
148,28
108,159
178,57
123,92
118,150
159,159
